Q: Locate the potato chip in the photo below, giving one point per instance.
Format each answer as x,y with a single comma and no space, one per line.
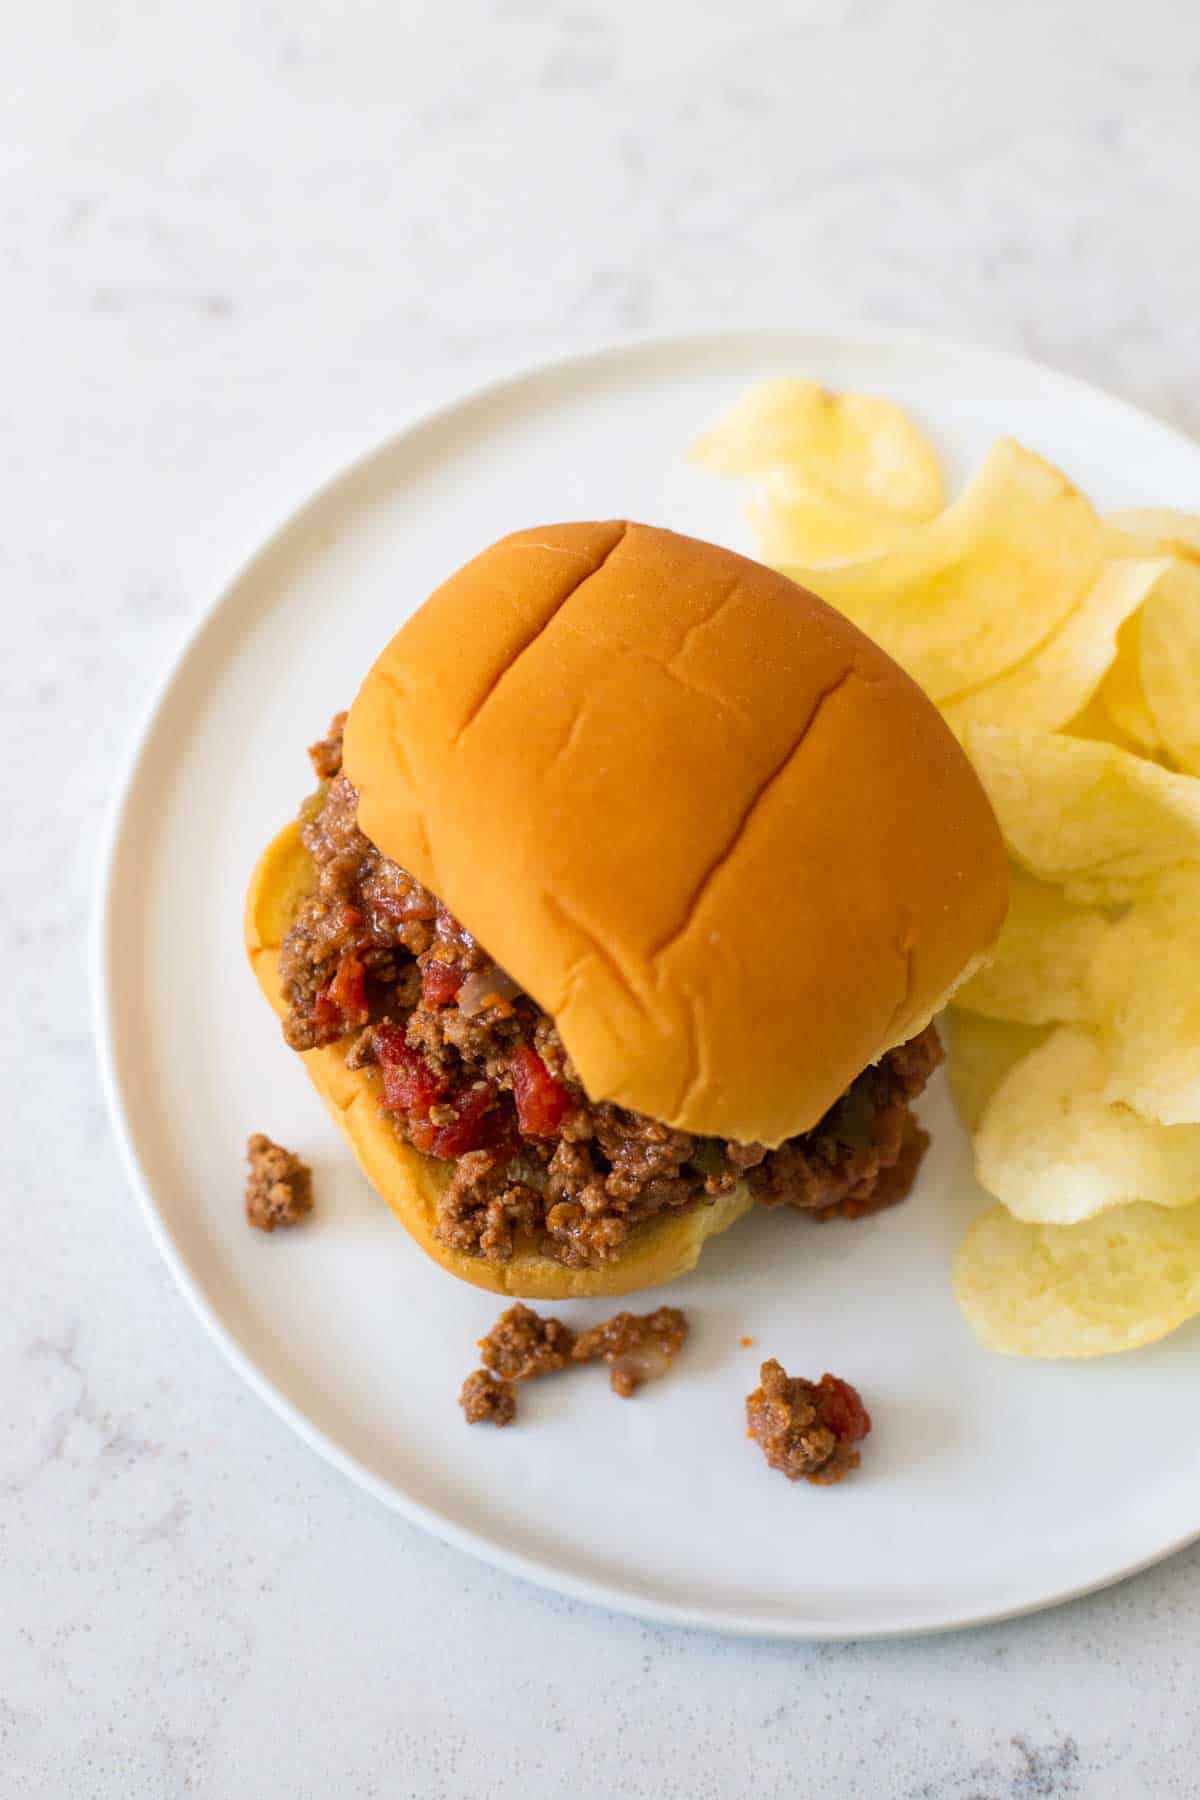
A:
1147,985
1121,692
983,584
851,449
1043,966
1056,680
1168,532
795,524
1169,660
1095,722
1124,1278
1083,813
1054,1151
979,1053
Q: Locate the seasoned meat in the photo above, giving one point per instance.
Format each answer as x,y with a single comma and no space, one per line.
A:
326,755
278,1187
485,1399
521,1345
807,1429
839,1166
471,1070
483,1208
884,1183
636,1347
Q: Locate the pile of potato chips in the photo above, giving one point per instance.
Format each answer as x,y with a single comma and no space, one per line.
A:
1063,648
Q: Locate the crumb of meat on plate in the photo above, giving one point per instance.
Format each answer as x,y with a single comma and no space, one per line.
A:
484,1399
636,1347
521,1344
807,1429
278,1187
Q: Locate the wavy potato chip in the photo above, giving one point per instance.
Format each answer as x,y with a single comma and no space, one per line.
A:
794,524
1095,722
979,1053
1169,661
1055,682
1086,814
1147,987
981,585
1053,1150
1124,1278
853,448
1168,532
1122,695
1042,970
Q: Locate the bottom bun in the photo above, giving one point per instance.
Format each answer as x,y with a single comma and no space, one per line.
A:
657,1249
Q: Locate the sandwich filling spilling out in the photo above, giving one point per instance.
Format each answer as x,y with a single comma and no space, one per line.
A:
472,1071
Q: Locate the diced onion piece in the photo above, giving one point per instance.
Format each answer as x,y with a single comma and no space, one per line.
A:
486,987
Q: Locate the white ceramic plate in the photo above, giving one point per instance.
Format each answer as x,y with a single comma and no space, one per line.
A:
988,1486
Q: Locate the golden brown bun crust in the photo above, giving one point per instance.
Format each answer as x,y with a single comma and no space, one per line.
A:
716,832
657,1251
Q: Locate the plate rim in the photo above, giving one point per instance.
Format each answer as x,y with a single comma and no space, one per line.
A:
549,1575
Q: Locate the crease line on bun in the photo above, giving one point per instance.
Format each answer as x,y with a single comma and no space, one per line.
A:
594,948
710,618
907,954
544,626
390,679
728,850
695,1075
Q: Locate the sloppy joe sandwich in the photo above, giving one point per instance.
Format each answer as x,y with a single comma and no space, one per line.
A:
635,878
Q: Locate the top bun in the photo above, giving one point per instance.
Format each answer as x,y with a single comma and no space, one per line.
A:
709,826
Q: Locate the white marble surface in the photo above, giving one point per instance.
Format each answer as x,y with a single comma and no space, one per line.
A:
238,243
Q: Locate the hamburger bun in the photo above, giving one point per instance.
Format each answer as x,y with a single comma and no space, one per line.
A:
657,1250
710,827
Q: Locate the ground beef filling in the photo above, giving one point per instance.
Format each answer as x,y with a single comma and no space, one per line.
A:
487,1401
807,1429
278,1185
637,1347
521,1344
473,1072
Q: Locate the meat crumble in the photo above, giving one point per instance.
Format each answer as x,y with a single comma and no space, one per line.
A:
521,1345
278,1187
636,1347
484,1399
471,1070
807,1429
326,755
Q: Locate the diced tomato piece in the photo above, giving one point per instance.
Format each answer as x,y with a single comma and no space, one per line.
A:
389,1042
410,1085
542,1102
841,1407
440,981
480,1125
348,990
327,1016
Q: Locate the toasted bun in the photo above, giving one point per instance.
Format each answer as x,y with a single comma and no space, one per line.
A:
709,826
655,1251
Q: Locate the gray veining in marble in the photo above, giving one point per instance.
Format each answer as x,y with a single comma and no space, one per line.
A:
237,243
